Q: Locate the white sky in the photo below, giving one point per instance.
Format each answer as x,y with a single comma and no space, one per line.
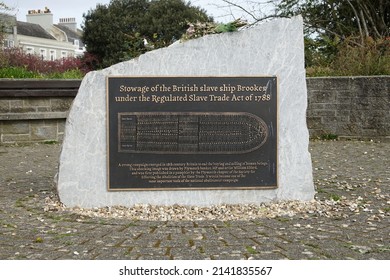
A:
76,8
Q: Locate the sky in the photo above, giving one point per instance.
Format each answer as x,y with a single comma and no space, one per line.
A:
76,8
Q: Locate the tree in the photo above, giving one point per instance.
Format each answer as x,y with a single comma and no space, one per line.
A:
337,17
109,31
6,23
342,18
335,30
124,29
170,19
4,18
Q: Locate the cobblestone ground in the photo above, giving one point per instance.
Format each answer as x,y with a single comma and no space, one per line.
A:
353,172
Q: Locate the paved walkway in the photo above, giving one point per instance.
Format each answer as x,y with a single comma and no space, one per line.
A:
354,174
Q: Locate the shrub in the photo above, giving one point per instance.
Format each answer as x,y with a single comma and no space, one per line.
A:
68,74
319,71
21,65
372,57
89,62
18,73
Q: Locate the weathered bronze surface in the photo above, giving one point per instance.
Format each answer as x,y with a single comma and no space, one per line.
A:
191,133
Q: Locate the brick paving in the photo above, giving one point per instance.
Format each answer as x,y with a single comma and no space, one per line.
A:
343,171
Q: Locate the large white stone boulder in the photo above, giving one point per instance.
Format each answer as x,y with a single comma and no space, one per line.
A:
273,48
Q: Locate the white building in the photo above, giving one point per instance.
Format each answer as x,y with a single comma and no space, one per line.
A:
41,37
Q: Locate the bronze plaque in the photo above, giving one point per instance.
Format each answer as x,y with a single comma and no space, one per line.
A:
191,133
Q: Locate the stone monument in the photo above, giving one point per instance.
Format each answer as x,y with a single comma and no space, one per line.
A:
132,124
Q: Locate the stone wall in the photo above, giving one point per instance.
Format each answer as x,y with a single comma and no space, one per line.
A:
347,107
34,110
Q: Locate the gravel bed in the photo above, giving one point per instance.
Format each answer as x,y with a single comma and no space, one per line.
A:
224,212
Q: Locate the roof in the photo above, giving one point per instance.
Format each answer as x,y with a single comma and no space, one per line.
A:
71,34
33,30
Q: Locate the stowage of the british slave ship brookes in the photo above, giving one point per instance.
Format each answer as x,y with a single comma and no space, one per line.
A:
191,132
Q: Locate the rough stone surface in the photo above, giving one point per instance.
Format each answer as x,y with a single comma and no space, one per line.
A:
25,119
350,107
273,48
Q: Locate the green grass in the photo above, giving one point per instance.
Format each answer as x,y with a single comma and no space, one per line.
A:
38,240
19,203
334,197
250,250
22,73
329,136
50,142
70,74
18,73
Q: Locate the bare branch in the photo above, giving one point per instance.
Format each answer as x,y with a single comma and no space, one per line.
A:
241,8
258,15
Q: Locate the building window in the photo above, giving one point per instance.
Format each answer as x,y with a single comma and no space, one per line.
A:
8,43
52,55
42,53
64,54
77,43
30,50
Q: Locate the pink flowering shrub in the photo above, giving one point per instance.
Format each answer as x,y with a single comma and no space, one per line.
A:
16,58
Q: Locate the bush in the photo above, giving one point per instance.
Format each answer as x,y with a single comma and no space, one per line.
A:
319,71
16,64
372,58
69,74
18,73
352,59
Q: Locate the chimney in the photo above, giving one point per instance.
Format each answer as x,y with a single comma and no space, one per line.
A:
69,22
42,17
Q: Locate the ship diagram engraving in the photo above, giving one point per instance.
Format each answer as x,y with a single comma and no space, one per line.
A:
190,132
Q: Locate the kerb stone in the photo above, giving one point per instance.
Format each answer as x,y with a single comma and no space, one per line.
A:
268,49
